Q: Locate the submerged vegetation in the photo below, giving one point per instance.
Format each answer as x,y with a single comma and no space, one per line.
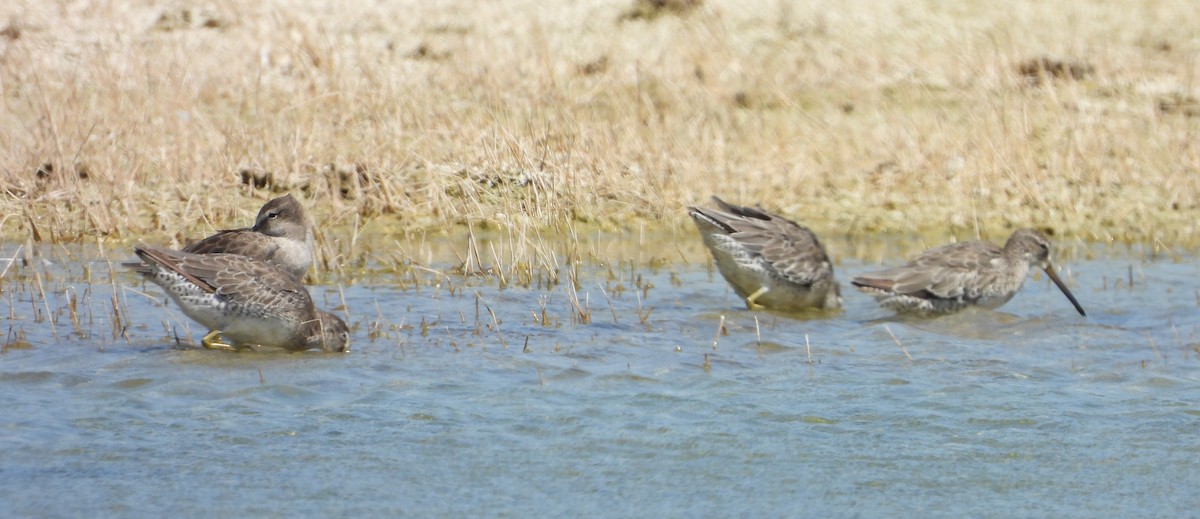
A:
162,121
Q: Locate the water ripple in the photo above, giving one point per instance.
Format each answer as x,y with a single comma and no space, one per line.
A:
1032,410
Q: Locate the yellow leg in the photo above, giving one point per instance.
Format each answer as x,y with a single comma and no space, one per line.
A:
212,341
750,300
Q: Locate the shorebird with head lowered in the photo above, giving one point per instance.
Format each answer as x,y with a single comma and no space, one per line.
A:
949,278
280,235
770,261
252,303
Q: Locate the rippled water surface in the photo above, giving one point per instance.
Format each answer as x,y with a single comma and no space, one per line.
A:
617,398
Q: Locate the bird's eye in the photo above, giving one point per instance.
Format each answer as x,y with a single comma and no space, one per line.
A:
272,215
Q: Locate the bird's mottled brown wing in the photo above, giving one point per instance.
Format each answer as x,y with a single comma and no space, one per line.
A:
756,213
248,281
945,272
795,253
961,269
245,242
238,278
167,260
790,248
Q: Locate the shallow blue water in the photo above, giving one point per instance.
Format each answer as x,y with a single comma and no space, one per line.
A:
442,410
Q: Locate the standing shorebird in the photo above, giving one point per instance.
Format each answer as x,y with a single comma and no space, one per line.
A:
770,261
251,302
951,277
280,235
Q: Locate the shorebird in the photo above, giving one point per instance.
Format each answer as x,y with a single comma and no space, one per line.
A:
250,302
952,277
770,261
280,235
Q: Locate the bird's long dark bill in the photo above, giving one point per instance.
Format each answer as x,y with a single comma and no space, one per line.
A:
1054,277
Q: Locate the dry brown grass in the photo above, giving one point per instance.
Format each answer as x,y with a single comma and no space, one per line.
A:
128,119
